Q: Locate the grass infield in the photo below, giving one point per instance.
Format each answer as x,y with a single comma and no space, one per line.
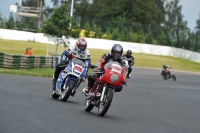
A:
40,49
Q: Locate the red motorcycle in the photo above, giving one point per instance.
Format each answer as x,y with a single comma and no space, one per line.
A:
106,83
168,74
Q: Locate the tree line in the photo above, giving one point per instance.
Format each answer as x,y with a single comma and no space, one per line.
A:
158,22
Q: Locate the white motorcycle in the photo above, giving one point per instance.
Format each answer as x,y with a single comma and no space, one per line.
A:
70,78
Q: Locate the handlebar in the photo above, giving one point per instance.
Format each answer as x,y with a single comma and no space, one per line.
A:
127,59
92,66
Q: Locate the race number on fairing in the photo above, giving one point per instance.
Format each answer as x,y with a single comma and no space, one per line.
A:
116,68
77,68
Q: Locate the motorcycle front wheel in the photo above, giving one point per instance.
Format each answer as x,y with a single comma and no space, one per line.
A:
67,91
174,77
105,104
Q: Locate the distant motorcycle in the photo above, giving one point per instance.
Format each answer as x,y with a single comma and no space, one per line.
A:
101,94
70,78
168,74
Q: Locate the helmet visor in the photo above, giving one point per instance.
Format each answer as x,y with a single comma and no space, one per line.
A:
117,54
82,47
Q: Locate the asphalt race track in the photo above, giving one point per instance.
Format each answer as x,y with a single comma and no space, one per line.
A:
147,105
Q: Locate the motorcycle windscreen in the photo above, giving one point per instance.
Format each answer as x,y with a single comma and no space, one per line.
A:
78,62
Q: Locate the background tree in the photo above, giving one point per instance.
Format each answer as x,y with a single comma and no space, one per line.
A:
87,29
55,3
59,23
11,23
198,23
47,12
2,22
175,25
122,14
32,3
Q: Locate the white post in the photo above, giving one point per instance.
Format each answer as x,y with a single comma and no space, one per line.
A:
71,14
47,50
72,6
20,3
15,20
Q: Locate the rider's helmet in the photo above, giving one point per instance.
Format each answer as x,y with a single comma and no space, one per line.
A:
81,44
129,53
117,51
164,66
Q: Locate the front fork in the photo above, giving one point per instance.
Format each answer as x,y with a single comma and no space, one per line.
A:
103,92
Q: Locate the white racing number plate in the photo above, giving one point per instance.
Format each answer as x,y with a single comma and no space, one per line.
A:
78,68
116,68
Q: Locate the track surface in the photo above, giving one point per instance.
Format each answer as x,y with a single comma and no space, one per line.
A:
147,105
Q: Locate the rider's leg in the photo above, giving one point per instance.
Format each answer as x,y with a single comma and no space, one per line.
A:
59,68
129,71
91,80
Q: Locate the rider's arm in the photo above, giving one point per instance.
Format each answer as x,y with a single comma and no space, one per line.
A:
66,55
103,60
132,61
89,61
123,63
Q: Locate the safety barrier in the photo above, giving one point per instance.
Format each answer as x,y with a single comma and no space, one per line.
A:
106,44
25,62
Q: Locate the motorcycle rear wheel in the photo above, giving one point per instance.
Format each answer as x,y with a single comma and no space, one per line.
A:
66,93
105,104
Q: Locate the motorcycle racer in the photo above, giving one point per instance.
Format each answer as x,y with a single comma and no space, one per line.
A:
79,50
165,68
128,56
115,55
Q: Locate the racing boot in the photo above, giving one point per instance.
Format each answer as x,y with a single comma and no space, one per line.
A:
128,74
73,92
128,77
86,90
54,84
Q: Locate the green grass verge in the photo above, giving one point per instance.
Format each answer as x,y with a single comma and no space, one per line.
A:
39,49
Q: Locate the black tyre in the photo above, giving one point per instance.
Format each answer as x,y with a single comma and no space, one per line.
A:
66,93
54,95
105,104
88,105
174,77
165,77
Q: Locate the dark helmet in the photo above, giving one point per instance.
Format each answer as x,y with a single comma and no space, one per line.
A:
117,51
81,44
164,65
129,53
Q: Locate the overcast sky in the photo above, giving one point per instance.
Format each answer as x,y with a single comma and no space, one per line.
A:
190,9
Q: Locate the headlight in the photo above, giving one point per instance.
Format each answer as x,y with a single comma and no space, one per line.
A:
114,78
